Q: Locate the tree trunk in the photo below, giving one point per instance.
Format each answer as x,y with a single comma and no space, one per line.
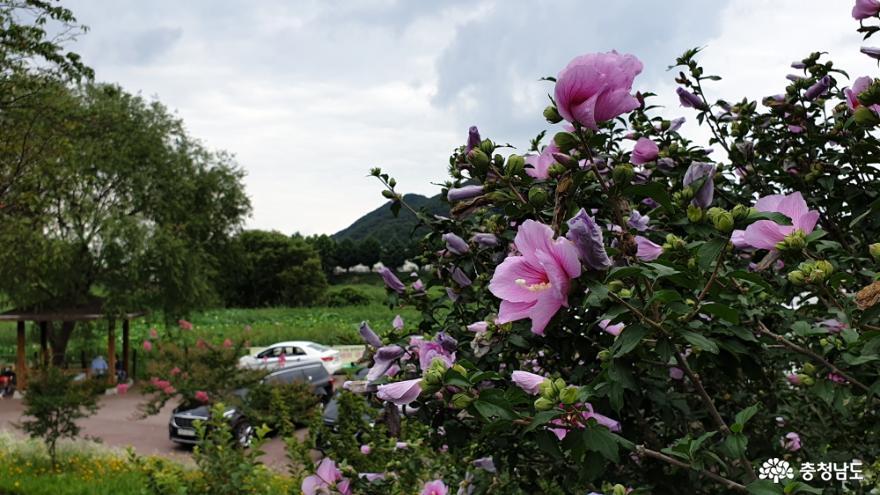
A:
58,338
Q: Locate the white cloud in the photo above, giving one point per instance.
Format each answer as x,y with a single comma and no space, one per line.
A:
309,95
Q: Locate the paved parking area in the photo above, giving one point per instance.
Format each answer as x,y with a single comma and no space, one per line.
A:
117,425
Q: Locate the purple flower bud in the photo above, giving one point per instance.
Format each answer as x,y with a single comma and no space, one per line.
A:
690,100
460,277
455,244
383,359
676,373
448,343
794,77
864,9
798,65
818,89
529,382
391,280
451,294
473,140
400,393
463,193
644,151
675,124
666,164
638,221
418,286
369,335
485,240
696,171
871,51
791,442
647,250
397,323
478,327
485,463
587,237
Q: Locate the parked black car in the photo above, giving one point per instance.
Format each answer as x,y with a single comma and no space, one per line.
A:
181,427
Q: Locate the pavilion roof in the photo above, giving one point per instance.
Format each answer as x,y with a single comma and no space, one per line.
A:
91,309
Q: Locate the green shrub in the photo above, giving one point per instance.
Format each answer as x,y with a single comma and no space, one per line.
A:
347,296
54,402
281,407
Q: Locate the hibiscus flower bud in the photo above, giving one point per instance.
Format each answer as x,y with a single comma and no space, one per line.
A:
690,100
809,368
556,170
543,404
516,165
723,222
818,89
604,355
824,267
488,147
619,490
478,158
795,241
740,212
552,114
796,277
623,174
625,293
807,380
568,395
695,214
874,249
537,196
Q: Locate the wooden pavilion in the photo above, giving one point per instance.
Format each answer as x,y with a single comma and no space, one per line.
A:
92,310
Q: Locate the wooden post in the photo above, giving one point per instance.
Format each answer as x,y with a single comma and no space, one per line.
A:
126,348
20,361
44,344
111,350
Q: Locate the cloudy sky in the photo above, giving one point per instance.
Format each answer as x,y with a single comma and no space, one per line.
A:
310,94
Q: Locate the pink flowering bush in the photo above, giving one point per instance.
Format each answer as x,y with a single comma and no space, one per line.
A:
626,311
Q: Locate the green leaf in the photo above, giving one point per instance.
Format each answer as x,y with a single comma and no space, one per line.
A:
600,439
696,444
767,215
736,444
455,378
764,487
722,311
753,278
542,418
800,487
662,270
665,296
623,272
654,190
746,414
708,252
698,340
629,339
494,407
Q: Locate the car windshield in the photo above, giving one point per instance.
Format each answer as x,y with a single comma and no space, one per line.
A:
318,347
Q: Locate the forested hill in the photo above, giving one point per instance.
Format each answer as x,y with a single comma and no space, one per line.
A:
381,224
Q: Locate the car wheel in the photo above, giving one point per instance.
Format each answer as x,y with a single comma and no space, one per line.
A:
244,434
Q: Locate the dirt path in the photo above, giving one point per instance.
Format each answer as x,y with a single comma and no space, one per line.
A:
115,424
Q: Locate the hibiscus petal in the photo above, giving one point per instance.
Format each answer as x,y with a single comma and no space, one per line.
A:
765,234
532,236
807,222
504,283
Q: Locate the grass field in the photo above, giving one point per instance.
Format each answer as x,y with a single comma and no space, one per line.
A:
323,324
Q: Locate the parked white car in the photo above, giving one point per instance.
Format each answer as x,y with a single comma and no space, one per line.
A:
286,353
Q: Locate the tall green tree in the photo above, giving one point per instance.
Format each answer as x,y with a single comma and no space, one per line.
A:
129,206
272,269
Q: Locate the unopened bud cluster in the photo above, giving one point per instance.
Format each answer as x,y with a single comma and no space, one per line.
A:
811,272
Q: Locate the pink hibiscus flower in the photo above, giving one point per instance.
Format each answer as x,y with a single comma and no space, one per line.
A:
535,284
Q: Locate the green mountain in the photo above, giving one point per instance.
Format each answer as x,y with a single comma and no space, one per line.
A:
381,224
